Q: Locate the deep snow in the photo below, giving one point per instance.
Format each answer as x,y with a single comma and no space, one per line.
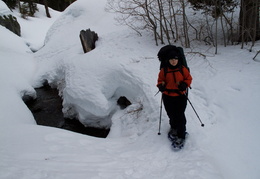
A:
225,93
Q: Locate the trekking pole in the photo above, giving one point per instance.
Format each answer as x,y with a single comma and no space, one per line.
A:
202,125
157,93
160,121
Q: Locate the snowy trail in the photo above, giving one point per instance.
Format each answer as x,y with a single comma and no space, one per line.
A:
133,157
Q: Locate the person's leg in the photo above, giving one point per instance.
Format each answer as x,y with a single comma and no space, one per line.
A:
175,108
168,102
180,106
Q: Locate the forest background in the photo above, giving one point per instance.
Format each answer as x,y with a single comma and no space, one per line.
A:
160,18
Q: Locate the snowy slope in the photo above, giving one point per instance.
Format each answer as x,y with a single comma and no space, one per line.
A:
225,95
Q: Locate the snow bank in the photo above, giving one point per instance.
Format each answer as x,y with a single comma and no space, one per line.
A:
91,83
4,10
17,68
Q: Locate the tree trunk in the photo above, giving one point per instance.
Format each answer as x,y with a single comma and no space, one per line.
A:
172,18
19,5
161,20
185,27
151,21
216,37
46,8
223,31
249,21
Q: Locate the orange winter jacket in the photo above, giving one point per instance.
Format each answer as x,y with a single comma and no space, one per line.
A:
172,79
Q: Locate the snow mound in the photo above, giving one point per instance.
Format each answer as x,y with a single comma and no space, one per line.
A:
91,83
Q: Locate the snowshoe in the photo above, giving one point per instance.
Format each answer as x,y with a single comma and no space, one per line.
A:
172,135
179,143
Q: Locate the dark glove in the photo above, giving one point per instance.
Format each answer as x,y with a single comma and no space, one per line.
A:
182,86
161,87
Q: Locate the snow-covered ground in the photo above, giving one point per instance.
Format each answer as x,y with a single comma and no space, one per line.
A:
225,93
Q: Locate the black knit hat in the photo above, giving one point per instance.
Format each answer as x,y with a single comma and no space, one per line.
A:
172,55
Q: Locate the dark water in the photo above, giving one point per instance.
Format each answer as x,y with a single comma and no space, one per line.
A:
47,111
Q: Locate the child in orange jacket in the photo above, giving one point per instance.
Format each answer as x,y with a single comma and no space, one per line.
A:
173,81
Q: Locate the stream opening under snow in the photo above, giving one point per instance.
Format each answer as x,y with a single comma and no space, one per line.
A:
47,111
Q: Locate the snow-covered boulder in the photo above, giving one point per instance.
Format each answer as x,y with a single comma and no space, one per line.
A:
91,83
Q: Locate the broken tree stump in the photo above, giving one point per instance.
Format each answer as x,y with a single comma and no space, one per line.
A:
88,39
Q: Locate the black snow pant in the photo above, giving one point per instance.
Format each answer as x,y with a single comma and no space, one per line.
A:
175,108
